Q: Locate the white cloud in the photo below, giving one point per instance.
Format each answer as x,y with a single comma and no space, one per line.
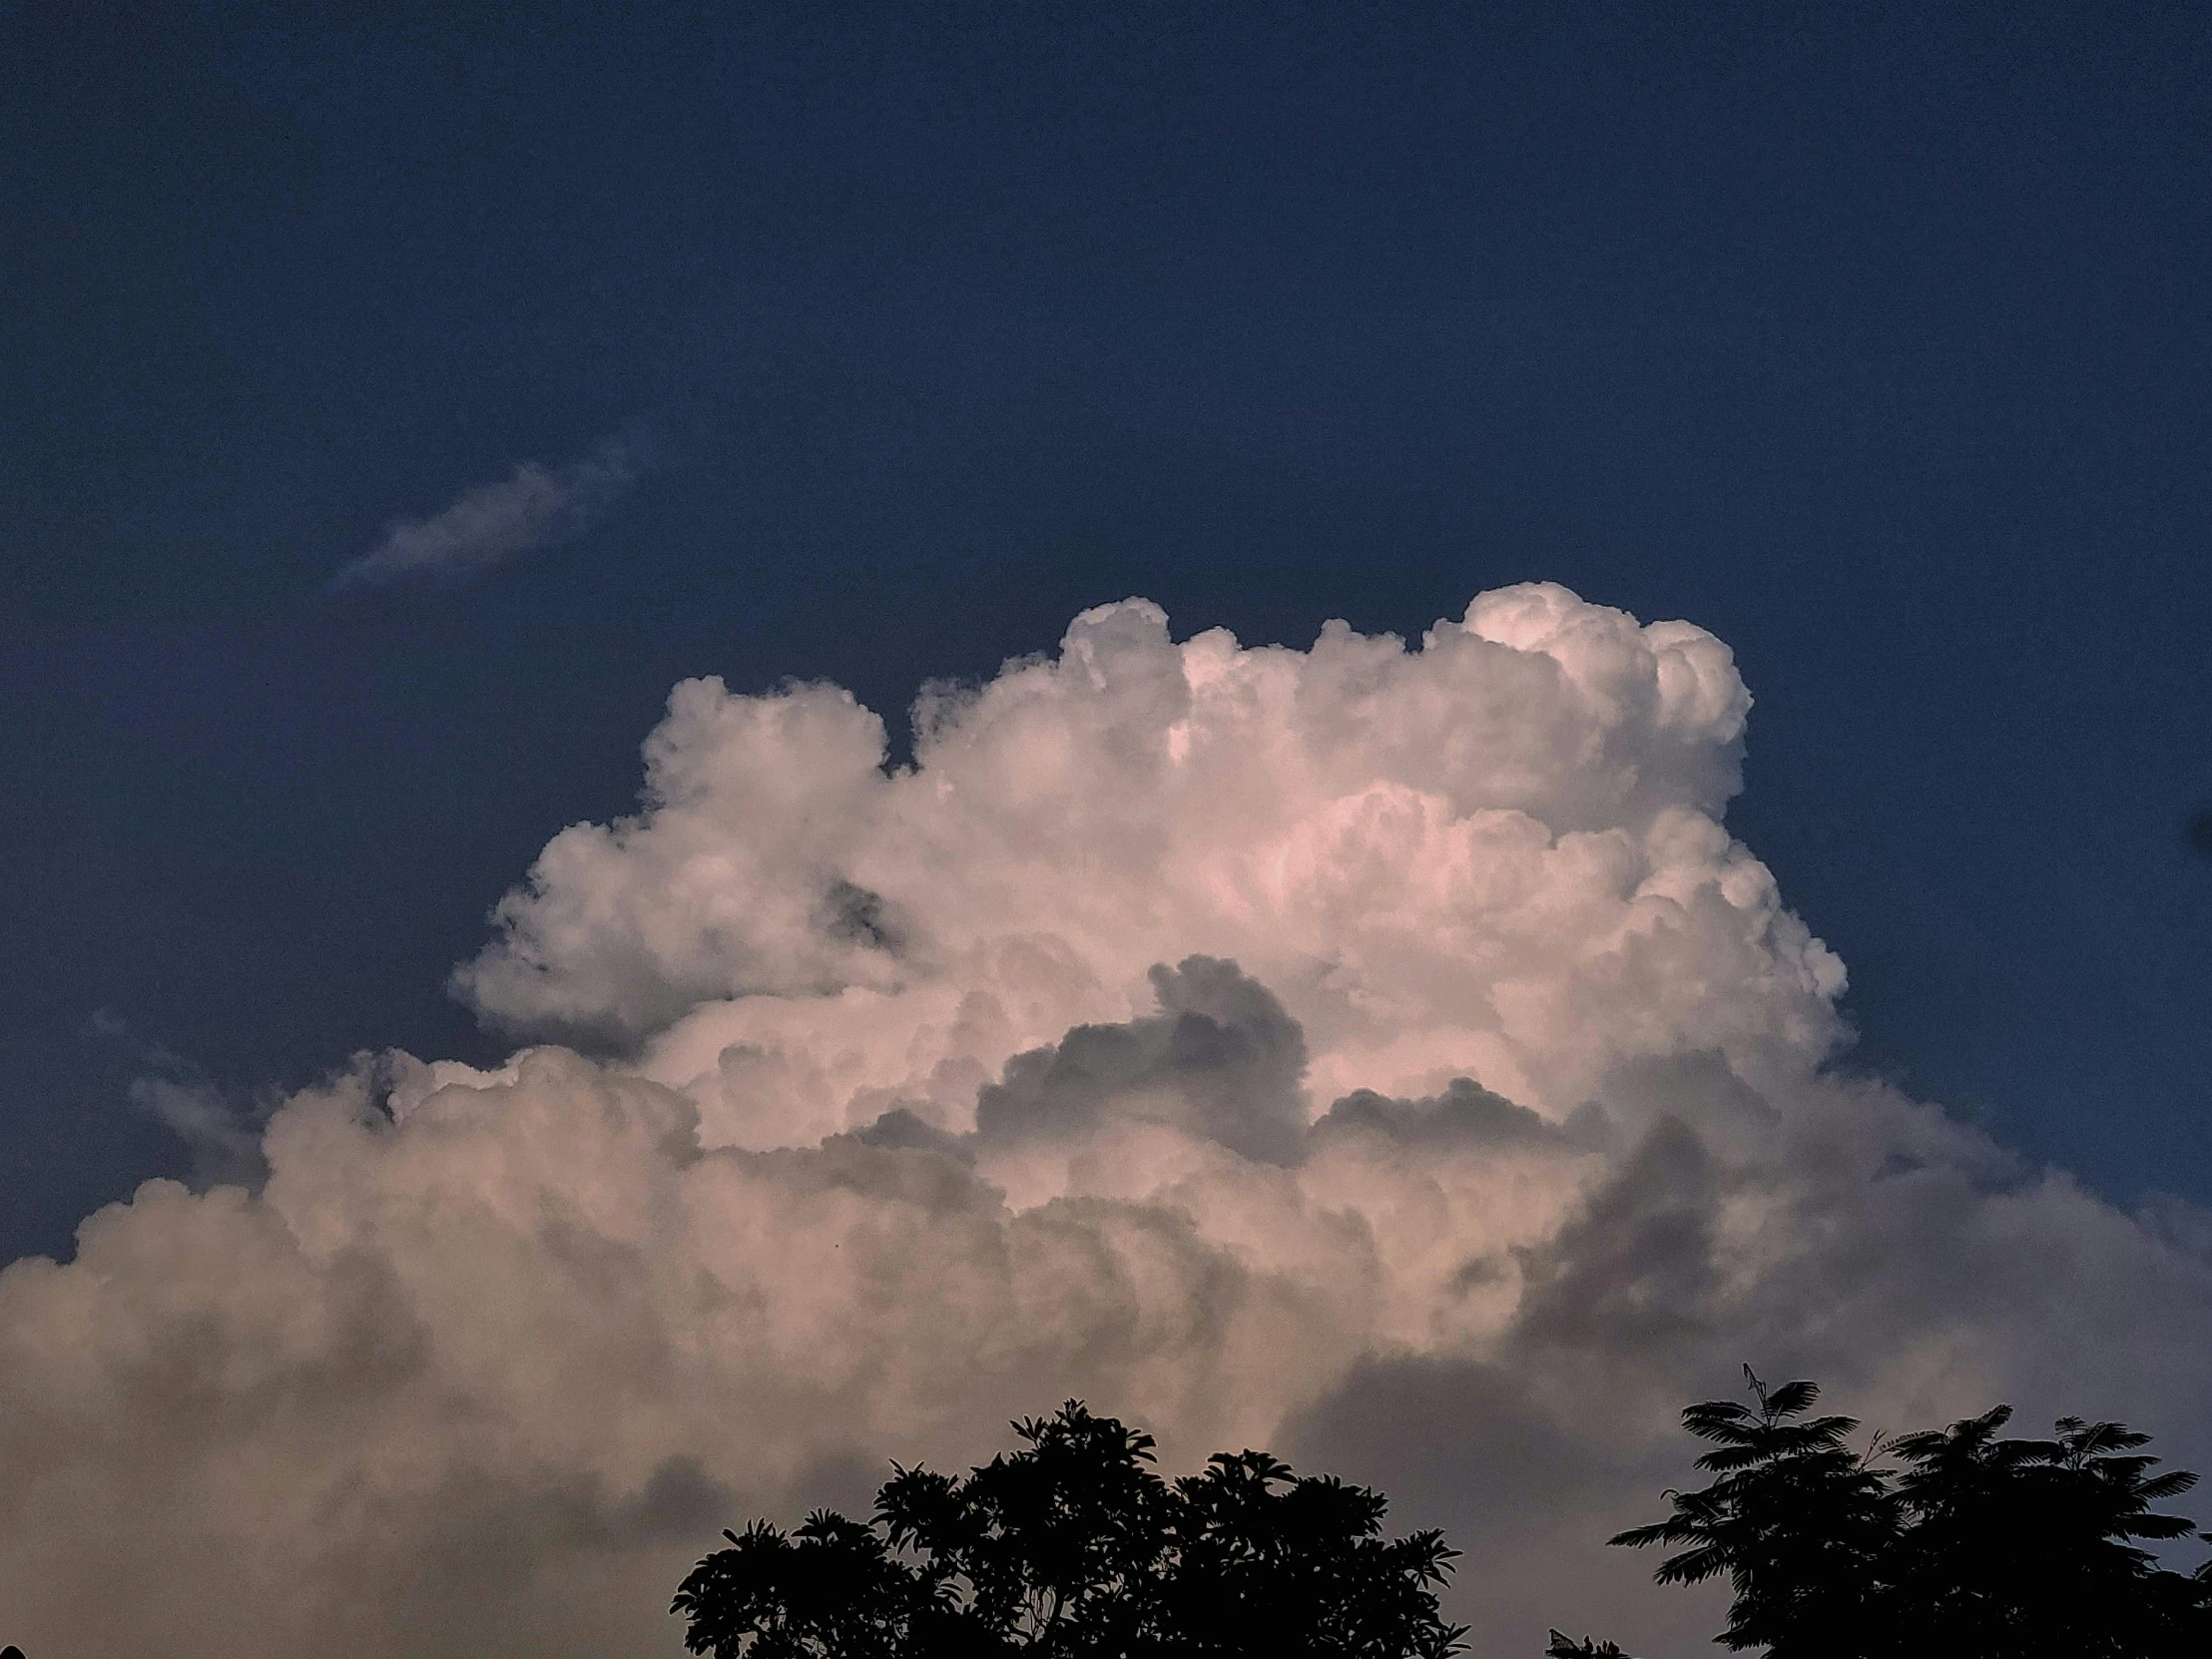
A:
1498,854
533,506
1034,1070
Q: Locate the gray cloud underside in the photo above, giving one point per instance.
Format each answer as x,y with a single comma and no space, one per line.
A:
1125,1047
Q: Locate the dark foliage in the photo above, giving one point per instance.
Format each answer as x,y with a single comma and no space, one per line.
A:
2029,1548
1563,1648
1798,1521
1952,1543
1073,1545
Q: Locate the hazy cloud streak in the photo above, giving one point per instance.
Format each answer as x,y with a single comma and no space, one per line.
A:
534,506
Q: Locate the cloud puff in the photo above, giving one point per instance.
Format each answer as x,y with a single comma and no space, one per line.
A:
1124,1047
1498,854
533,506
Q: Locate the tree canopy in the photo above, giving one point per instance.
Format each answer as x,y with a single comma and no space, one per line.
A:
1073,1544
1955,1542
1952,1541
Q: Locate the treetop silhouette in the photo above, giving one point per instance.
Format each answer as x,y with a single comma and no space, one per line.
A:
1951,1541
1954,1542
1073,1544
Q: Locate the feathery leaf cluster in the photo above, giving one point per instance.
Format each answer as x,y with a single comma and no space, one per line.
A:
1952,1541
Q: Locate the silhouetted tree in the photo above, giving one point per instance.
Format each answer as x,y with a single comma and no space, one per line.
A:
1798,1521
1971,1547
2027,1547
1563,1647
1074,1546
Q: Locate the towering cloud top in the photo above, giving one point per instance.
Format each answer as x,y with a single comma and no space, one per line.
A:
1382,1054
1498,853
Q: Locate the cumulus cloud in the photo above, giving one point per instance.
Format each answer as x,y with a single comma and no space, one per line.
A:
534,506
1382,1054
1499,855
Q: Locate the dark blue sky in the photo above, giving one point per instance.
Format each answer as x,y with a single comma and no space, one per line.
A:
1879,342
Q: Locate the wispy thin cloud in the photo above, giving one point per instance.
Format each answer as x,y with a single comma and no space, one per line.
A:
224,1134
534,506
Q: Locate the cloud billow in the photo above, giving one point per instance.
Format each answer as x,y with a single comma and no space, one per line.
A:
1383,1054
534,506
